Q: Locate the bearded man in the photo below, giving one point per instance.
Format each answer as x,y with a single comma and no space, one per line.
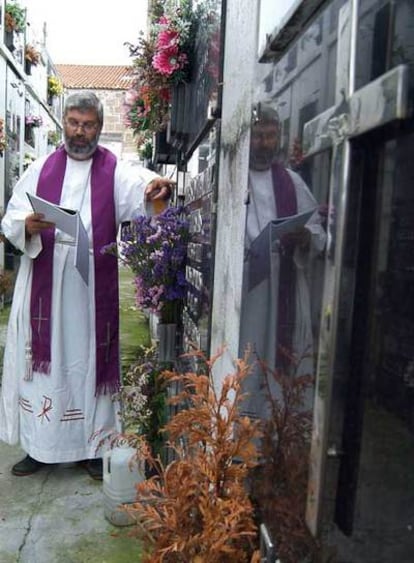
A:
61,361
276,308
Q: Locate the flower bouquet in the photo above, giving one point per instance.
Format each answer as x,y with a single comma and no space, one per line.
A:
33,120
14,17
155,248
31,55
54,86
160,61
146,108
169,58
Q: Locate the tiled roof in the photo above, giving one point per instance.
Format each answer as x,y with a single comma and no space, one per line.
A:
100,77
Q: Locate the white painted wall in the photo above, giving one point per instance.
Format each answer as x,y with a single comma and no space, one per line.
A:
240,57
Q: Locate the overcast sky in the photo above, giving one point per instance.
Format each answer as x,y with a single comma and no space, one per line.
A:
89,31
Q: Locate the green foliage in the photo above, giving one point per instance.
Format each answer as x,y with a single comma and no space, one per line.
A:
145,150
53,138
15,17
143,398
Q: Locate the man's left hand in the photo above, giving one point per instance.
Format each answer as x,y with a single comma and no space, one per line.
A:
159,188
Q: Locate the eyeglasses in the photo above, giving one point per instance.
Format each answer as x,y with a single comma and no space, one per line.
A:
87,126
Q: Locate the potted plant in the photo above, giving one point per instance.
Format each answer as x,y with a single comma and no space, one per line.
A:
53,138
27,160
196,508
54,87
31,57
14,22
160,61
31,122
146,108
145,150
14,17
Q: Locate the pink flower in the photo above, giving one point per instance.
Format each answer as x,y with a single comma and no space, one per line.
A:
168,61
168,39
131,97
163,20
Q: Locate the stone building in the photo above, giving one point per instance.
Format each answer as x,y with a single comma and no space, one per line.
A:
110,84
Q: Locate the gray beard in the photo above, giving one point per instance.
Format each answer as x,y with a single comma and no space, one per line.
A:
85,152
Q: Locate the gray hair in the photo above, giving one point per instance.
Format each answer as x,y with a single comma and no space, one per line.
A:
265,113
84,101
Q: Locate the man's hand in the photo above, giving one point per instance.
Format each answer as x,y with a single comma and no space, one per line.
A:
159,188
34,224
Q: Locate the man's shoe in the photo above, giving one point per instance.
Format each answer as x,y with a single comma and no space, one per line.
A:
94,467
27,466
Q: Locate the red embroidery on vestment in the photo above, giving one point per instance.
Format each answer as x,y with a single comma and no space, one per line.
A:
72,414
47,407
25,405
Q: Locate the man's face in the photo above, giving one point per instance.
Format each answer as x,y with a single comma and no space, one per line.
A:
264,142
81,133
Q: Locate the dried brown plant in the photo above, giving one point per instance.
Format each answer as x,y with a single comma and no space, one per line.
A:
196,508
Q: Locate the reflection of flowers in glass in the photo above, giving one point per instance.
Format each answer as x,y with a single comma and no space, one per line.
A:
3,141
155,248
33,120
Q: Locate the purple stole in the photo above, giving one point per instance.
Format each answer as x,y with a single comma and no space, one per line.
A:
104,230
286,204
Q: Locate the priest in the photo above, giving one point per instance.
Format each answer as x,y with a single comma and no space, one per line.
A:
61,360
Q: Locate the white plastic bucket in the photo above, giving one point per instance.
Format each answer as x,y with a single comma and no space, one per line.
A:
120,475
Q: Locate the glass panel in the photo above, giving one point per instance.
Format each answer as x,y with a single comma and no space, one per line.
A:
385,37
376,482
283,279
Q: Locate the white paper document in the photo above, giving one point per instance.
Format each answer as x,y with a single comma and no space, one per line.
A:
289,224
268,240
70,222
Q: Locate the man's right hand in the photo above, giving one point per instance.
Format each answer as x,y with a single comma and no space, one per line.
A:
34,224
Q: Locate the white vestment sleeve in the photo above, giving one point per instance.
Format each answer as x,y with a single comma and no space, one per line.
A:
18,208
131,179
306,201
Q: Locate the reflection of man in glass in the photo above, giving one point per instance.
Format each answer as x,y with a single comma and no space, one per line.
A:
276,312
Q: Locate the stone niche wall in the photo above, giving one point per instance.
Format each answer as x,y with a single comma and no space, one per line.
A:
115,135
